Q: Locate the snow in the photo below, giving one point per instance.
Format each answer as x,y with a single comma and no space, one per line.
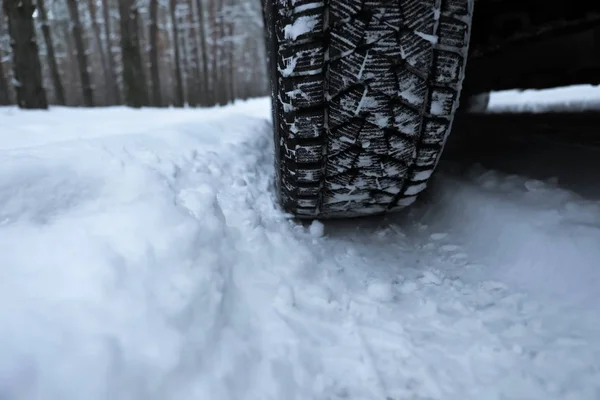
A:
144,257
300,26
577,97
317,229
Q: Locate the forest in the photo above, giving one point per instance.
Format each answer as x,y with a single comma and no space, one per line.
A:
139,53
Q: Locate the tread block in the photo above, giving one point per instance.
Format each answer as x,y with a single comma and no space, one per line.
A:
308,175
308,125
346,106
308,192
344,10
394,168
447,67
401,148
301,26
346,38
442,101
419,15
434,130
417,51
309,154
343,161
411,87
452,32
390,185
455,7
302,60
407,120
303,93
427,157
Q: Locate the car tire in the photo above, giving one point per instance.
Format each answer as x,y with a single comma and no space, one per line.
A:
364,93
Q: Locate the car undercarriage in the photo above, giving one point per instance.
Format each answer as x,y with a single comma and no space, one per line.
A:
533,44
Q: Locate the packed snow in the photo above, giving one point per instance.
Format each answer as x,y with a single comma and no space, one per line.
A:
143,256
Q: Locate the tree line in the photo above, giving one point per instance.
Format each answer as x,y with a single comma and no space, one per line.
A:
138,53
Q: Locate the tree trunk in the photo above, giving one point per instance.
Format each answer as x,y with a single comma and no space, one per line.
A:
4,89
165,56
96,30
26,60
179,96
154,63
143,45
222,77
113,83
231,67
134,79
196,85
185,66
214,16
59,90
82,60
206,98
73,94
5,97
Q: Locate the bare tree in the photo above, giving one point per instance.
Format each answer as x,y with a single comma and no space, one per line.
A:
82,59
27,69
192,34
204,53
59,91
179,96
113,83
5,97
154,62
220,51
4,89
106,76
231,64
71,69
136,94
214,13
188,89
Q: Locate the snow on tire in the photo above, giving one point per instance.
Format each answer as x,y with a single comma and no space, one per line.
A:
364,93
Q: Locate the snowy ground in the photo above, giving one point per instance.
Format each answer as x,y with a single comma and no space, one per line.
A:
142,257
577,97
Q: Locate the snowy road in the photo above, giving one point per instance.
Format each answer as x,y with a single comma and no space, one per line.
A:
142,256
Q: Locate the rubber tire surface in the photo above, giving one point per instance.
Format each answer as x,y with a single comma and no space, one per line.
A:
364,93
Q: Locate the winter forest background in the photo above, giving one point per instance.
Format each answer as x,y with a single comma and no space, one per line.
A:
155,53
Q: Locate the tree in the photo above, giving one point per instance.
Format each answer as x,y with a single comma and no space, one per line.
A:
179,97
134,81
5,98
59,91
231,62
4,89
97,37
154,63
203,50
213,15
195,86
221,76
70,66
114,86
27,69
82,60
